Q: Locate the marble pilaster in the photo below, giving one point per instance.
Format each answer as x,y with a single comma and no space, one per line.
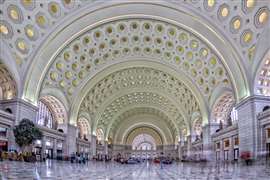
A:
93,145
106,147
71,140
208,150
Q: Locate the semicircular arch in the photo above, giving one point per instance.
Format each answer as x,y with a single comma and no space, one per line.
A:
234,70
129,138
141,109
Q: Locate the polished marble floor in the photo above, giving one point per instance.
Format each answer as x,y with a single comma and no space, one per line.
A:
145,171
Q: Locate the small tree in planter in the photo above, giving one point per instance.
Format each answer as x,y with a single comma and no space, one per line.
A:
26,133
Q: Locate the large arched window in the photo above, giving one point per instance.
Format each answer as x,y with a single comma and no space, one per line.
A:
84,128
100,136
263,78
57,108
44,116
197,129
223,107
51,112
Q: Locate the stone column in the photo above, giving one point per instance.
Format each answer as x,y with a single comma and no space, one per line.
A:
180,155
54,148
71,140
11,139
43,147
262,134
189,146
89,137
231,151
263,140
93,145
208,150
248,110
106,147
221,153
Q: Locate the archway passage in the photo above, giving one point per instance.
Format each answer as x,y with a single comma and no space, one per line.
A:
57,108
44,116
100,136
222,108
84,128
143,142
51,113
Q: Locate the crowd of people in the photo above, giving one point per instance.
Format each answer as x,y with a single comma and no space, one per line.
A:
79,158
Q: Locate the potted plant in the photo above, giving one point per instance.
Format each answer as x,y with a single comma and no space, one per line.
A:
25,134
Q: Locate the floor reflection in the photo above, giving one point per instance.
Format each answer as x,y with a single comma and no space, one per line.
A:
143,171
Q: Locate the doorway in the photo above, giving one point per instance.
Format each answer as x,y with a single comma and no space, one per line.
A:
268,150
217,155
236,154
226,155
49,153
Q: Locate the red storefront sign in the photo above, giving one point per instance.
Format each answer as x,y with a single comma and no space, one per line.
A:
3,143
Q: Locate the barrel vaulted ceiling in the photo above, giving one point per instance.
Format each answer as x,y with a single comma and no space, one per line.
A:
144,111
126,40
139,86
26,23
198,69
